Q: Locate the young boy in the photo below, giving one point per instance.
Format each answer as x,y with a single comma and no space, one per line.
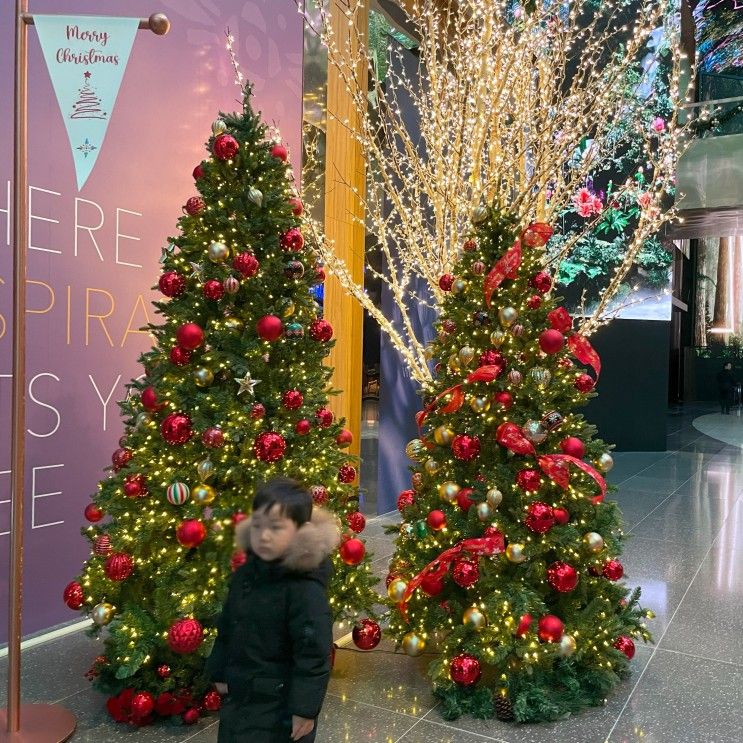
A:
272,654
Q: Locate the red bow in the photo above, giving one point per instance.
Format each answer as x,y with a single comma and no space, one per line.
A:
585,353
507,264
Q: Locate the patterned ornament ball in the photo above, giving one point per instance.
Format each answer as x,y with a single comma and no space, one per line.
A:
465,355
102,545
185,635
176,429
295,330
205,469
292,240
550,628
269,328
292,399
562,576
269,446
319,494
436,519
551,341
321,331
213,289
534,431
177,493
279,151
528,480
346,473
515,377
219,126
573,447
542,282
231,285
413,644
478,268
194,206
190,533
294,270
352,551
246,263
356,521
203,494
257,411
493,497
465,572
225,147
93,513
213,437
121,457
584,383
172,284
469,245
626,646
480,319
465,670
302,427
534,302
189,336
324,417
561,515
405,500
613,570
212,701
142,705
256,196
540,517
366,634
119,566
73,595
465,448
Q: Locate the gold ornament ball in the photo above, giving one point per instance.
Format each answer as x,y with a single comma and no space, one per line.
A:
143,419
102,613
287,307
233,324
484,511
219,127
448,491
203,494
428,353
218,252
417,480
474,618
567,646
498,338
507,316
413,645
479,214
432,466
494,497
516,552
443,435
396,590
453,362
205,468
203,376
594,541
480,404
415,449
605,462
459,286
466,355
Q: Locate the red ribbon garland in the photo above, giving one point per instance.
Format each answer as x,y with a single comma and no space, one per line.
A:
582,349
480,546
506,265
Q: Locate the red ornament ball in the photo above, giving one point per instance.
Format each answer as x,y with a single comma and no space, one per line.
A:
292,240
492,358
213,437
292,399
573,447
625,645
542,282
296,205
560,319
465,669
189,336
102,545
469,246
613,570
195,205
198,172
319,494
212,701
405,499
344,438
550,628
584,383
269,446
562,576
352,551
93,514
537,235
119,566
238,559
302,427
269,328
464,447
504,399
528,480
191,716
534,302
524,625
213,289
225,147
540,517
143,705
319,274
180,356
246,263
190,533
551,341
465,572
257,411
347,473
324,417
446,282
356,521
135,486
463,499
562,516
321,331
172,284
366,634
436,520
121,457
176,429
433,584
185,635
73,595
279,152
163,671
149,400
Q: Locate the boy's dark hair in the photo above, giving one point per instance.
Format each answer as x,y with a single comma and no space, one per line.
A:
293,500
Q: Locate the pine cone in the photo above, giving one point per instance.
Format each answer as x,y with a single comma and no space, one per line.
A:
503,708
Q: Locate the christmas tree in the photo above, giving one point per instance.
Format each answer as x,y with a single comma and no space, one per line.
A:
88,104
234,392
506,559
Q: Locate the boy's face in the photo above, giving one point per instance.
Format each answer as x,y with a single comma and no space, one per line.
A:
271,533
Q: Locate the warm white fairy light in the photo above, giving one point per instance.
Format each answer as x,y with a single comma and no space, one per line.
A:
239,77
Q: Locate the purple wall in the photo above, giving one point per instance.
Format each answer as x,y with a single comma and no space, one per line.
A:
77,364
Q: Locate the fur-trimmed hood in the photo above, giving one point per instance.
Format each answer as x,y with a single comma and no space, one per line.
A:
313,542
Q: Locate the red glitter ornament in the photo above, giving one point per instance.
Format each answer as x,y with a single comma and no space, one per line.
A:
562,576
366,634
352,551
257,411
405,499
150,401
534,302
93,513
550,628
356,521
195,205
469,246
185,635
225,147
119,566
120,458
613,570
464,447
279,152
528,480
463,499
559,319
573,447
180,356
172,284
302,427
542,282
347,473
213,437
524,625
292,240
212,701
446,282
247,264
436,520
551,341
73,595
190,533
189,336
504,399
625,645
465,572
324,417
292,399
562,516
584,383
321,331
465,669
269,328
269,446
143,705
176,429
540,517
213,289
319,494
344,438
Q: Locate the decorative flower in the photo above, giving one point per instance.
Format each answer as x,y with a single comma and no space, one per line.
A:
587,203
658,125
645,199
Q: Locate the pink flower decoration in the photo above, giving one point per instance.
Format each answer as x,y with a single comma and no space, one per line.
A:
658,125
645,199
586,203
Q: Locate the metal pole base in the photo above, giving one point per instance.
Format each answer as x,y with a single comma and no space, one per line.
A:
40,723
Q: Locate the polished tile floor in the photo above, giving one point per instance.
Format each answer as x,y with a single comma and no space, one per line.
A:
684,511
